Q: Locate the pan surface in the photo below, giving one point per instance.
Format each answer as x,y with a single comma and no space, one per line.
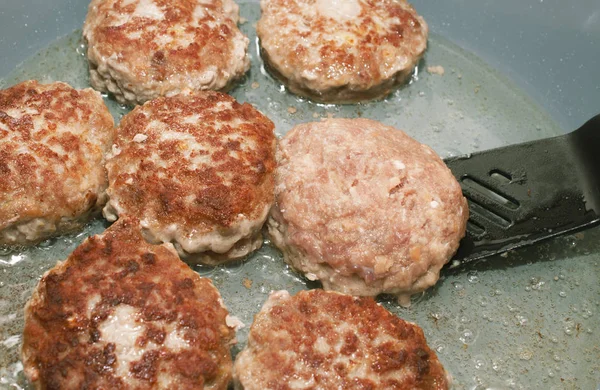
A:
523,321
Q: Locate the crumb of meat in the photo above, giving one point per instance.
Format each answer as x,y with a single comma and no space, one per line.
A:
243,20
234,322
255,85
438,69
247,283
140,138
115,151
315,115
292,110
312,277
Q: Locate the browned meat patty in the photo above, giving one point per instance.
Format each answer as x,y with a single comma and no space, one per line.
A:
326,340
364,208
53,140
142,49
198,170
341,50
120,313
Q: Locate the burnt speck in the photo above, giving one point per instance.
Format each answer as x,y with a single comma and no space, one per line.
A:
149,258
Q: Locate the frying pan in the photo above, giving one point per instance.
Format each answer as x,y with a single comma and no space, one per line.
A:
516,71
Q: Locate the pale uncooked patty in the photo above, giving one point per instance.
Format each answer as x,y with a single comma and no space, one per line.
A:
364,208
120,313
326,340
53,140
142,49
198,170
341,51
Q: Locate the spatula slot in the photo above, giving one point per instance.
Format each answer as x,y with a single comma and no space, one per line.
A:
500,176
490,193
475,229
480,209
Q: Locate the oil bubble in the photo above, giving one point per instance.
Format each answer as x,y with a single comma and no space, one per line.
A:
47,244
569,328
525,355
487,316
6,250
439,346
497,365
435,315
472,277
480,362
521,320
467,337
574,309
536,283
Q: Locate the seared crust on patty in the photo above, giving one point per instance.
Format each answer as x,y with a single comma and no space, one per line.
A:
198,170
364,208
142,49
326,340
341,51
53,139
121,313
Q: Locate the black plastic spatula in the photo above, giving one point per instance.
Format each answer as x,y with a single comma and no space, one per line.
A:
521,194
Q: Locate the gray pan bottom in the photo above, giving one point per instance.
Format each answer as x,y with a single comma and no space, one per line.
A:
522,321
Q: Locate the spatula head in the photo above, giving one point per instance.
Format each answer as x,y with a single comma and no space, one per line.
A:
525,193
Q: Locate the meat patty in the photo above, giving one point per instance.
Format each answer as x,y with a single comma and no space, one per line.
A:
198,170
341,51
121,313
141,49
53,139
364,208
326,340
